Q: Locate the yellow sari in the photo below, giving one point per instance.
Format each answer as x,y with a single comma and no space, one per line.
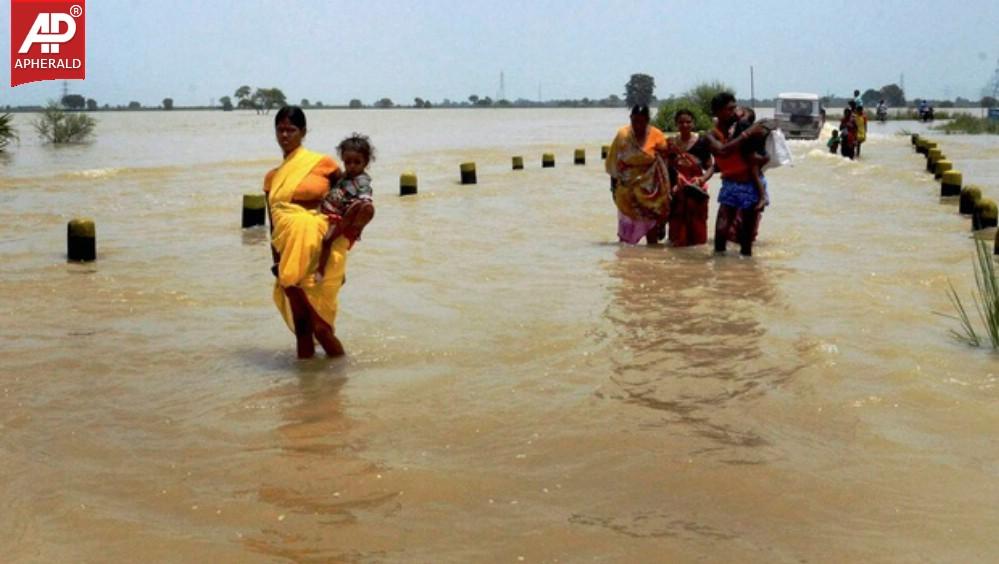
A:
297,236
643,180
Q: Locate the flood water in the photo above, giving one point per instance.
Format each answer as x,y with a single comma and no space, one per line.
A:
518,386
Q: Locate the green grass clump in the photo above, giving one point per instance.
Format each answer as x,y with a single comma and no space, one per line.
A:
969,124
985,299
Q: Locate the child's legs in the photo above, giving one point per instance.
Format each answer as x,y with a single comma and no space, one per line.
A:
358,215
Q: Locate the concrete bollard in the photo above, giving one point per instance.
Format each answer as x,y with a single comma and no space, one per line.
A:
604,150
518,163
407,183
932,157
548,160
921,144
254,210
986,215
467,173
950,183
970,195
579,157
942,166
915,138
81,240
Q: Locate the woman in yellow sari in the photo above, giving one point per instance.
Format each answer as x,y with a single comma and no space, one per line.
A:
294,192
639,179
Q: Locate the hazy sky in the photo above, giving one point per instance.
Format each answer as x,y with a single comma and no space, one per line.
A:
333,51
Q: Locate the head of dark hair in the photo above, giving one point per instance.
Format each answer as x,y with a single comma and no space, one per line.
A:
684,112
720,100
852,104
835,132
359,144
749,114
294,114
640,110
856,93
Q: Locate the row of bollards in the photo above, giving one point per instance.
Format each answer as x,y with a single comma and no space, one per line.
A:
81,240
983,211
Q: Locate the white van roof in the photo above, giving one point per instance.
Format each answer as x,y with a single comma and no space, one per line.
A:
798,95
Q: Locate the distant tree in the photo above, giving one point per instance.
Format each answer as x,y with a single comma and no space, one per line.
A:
639,89
74,102
91,105
133,105
319,103
264,99
243,95
167,103
870,97
305,103
7,133
474,99
988,102
57,126
355,104
427,104
504,103
702,94
384,103
417,102
107,106
226,103
485,102
893,95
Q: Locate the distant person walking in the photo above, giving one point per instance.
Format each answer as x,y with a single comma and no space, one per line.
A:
860,119
847,134
691,166
639,179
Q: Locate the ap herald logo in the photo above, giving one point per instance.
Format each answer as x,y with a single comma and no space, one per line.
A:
47,40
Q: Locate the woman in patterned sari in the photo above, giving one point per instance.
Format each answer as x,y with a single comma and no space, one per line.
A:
294,192
639,179
691,166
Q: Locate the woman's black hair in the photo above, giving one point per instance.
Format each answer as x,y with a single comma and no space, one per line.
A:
294,114
640,110
359,144
683,112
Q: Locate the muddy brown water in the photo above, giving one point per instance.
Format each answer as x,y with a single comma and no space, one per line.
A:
518,386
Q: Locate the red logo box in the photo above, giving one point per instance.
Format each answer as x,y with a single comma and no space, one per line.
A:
48,40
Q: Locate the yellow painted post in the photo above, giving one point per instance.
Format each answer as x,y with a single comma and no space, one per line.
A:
950,183
254,210
468,173
81,240
407,183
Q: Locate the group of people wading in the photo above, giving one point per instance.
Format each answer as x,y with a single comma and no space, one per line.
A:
658,181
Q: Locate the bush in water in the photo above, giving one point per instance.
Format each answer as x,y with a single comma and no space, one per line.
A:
7,133
57,126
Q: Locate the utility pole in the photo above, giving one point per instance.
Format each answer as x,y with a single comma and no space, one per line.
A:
752,89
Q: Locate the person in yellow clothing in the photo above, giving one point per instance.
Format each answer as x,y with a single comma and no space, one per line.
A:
639,179
295,190
861,118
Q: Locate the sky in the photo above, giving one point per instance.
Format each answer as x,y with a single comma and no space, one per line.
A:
333,51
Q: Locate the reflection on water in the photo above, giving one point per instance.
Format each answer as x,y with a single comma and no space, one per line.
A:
687,340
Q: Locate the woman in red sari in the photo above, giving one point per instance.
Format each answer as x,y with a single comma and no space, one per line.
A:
691,166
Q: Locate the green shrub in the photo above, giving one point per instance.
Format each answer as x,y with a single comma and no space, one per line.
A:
668,108
697,100
969,124
55,125
7,133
